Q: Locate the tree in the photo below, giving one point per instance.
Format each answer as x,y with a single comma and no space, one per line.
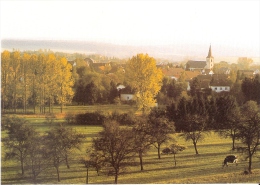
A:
25,79
115,145
15,77
174,89
145,78
227,117
244,62
249,129
59,142
91,95
251,88
194,86
193,128
36,161
65,82
142,140
18,140
160,128
175,148
5,63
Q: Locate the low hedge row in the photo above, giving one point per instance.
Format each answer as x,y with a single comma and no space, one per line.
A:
98,118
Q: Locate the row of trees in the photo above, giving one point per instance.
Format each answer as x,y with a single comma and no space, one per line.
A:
38,152
36,80
194,117
115,145
111,148
30,80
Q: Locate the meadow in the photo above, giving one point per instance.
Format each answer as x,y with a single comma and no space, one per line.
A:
203,168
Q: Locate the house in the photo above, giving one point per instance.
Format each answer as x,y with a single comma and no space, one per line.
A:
205,67
217,82
120,86
126,96
256,72
125,93
189,75
173,73
220,86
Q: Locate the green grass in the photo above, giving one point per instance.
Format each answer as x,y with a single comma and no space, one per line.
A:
203,168
74,109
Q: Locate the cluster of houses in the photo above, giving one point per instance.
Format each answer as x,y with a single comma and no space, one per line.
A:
203,70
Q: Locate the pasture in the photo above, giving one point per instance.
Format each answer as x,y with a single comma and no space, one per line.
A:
203,168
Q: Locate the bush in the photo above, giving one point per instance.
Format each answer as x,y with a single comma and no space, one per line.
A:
123,119
90,118
70,118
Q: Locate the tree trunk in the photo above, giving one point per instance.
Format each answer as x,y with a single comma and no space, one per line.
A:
22,166
87,177
58,172
174,159
33,171
195,147
250,164
116,176
158,150
250,154
49,104
67,162
61,108
141,160
233,140
233,143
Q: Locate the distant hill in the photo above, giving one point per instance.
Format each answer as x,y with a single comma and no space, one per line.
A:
173,53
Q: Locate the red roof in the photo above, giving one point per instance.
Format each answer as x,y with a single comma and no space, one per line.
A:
170,72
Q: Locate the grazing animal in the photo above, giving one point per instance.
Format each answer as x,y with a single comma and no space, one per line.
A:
230,159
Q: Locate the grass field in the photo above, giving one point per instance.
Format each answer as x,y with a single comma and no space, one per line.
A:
203,168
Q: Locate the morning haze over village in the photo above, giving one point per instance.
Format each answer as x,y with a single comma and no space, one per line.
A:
130,92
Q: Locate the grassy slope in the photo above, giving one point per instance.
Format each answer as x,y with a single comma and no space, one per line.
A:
202,168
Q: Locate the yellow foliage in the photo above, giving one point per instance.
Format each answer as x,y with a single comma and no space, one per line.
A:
145,78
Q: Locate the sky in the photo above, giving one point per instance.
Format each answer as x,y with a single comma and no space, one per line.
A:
224,24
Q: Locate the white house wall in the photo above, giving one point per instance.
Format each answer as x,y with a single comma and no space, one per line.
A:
220,88
126,97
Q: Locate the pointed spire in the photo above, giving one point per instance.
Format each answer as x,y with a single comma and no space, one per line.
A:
209,54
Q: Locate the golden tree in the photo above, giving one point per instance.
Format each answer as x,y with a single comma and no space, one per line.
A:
5,60
145,78
65,82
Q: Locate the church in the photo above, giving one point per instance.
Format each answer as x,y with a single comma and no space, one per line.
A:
205,67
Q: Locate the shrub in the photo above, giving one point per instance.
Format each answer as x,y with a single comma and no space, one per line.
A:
123,119
90,118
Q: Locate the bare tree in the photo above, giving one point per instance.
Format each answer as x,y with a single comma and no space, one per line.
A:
160,129
194,129
19,137
59,141
249,129
115,144
142,139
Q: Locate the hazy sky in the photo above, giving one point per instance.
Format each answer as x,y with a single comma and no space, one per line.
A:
220,23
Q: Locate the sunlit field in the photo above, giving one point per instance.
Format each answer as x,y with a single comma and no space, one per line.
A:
203,168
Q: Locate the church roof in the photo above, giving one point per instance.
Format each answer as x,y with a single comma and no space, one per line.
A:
209,54
196,64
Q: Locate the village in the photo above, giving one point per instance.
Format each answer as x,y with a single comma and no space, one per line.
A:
219,77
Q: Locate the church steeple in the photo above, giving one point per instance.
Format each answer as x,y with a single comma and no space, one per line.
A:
209,54
209,60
